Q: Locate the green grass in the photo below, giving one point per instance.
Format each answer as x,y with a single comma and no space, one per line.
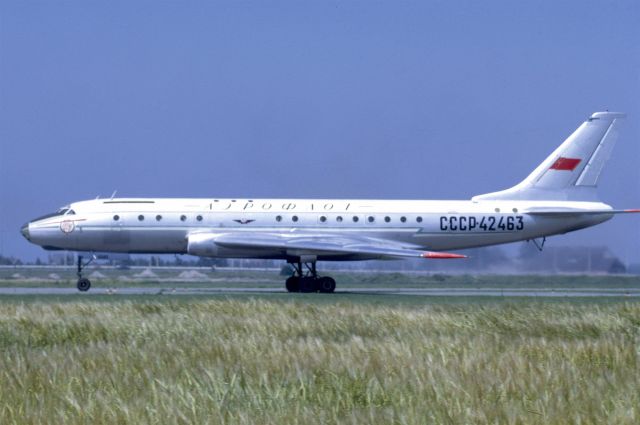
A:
317,359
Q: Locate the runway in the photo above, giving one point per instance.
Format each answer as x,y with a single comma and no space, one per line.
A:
426,292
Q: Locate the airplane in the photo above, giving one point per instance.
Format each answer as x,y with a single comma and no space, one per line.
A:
559,196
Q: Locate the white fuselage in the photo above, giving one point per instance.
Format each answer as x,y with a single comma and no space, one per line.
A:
167,225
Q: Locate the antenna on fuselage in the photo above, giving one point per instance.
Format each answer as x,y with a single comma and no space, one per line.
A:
114,193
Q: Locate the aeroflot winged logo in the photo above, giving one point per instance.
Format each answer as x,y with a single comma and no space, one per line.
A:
244,221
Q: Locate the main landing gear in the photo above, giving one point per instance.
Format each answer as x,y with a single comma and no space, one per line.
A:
84,284
307,280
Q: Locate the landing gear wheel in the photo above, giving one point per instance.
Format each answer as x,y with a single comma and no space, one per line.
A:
308,284
307,280
84,284
327,285
293,284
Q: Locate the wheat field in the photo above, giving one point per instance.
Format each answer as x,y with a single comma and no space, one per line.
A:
262,361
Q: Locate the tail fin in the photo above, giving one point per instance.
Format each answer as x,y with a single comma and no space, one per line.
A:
571,172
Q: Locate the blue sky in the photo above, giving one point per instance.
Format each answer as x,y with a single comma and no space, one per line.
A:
346,99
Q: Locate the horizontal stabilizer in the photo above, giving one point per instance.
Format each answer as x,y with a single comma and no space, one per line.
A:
576,211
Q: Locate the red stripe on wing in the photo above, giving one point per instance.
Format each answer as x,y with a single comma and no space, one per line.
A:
441,255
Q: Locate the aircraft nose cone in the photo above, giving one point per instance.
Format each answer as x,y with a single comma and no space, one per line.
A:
25,231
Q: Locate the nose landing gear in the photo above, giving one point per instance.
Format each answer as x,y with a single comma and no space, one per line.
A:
308,280
83,284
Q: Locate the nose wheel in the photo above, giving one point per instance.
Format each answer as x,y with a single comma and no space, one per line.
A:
308,280
83,284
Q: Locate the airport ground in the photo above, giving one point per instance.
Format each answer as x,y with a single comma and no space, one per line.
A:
261,355
230,280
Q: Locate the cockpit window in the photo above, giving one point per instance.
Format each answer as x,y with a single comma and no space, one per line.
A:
61,211
55,214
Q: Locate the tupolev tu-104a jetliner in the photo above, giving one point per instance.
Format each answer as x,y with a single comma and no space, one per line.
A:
559,196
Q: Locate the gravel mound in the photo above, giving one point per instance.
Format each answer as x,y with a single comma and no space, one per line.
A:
146,274
192,275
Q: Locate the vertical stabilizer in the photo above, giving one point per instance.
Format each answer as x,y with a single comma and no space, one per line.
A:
572,171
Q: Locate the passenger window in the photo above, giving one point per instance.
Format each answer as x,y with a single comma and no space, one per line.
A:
339,219
158,217
278,218
355,218
387,219
403,219
419,219
183,217
199,218
323,218
371,219
116,217
294,218
140,217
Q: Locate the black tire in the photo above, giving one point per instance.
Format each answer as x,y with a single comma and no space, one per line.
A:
308,284
327,285
293,284
84,284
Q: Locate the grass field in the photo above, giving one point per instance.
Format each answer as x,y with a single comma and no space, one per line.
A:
316,359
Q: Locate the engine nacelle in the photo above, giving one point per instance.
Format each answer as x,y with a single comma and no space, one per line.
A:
202,245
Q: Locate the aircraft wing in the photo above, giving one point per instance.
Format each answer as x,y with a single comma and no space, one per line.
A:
325,244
